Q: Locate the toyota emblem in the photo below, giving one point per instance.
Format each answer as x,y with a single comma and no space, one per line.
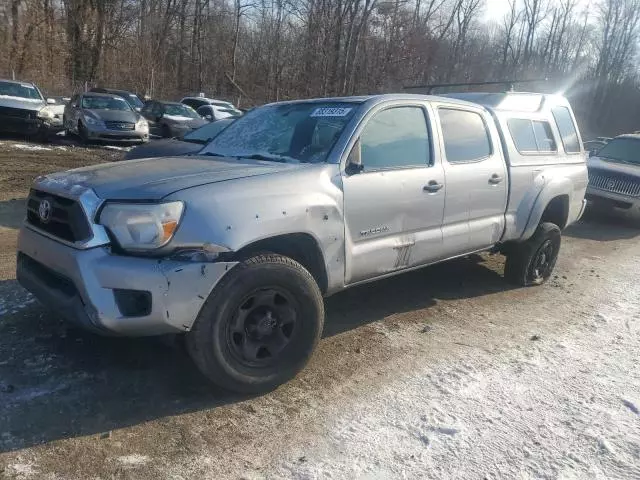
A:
44,210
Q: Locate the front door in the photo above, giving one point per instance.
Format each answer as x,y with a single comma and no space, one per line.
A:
394,206
476,177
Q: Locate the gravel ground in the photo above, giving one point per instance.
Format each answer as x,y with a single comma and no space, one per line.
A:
447,372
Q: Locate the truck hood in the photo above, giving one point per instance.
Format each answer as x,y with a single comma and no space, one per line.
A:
155,178
23,103
611,166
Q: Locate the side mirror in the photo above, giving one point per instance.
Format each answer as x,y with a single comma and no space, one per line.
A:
354,160
51,101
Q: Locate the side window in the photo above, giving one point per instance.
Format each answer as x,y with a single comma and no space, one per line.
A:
523,135
397,137
465,135
74,100
146,110
191,103
531,136
544,136
567,129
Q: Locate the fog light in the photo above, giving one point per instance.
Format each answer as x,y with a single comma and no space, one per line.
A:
133,303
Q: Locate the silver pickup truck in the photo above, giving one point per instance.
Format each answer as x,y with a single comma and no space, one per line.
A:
295,201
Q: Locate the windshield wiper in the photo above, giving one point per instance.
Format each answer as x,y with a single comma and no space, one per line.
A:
212,154
269,158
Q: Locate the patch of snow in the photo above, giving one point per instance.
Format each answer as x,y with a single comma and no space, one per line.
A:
22,469
133,460
13,302
114,147
31,148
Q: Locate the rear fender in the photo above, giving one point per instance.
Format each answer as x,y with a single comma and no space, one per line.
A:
554,187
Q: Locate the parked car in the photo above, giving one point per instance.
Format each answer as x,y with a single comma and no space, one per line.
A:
106,117
131,98
215,112
614,174
23,109
199,101
236,247
170,119
190,143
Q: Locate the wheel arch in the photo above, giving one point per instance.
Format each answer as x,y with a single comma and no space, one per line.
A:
299,246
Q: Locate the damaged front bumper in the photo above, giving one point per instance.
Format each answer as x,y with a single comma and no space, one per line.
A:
114,294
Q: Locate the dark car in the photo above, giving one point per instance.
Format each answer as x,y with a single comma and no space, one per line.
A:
171,119
192,142
131,98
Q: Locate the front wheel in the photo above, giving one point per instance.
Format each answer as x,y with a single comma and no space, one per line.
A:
532,262
259,326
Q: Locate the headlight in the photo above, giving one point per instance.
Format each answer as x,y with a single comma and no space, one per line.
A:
142,226
142,125
93,121
45,113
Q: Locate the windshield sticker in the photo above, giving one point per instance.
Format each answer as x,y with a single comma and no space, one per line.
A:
331,112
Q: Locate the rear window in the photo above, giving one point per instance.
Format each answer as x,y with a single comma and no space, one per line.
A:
531,136
567,129
465,135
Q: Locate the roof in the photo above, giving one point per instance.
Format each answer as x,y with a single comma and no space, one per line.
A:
166,102
111,90
633,136
17,82
377,99
513,101
100,94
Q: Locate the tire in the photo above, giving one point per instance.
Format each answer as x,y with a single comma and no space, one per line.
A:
532,262
259,326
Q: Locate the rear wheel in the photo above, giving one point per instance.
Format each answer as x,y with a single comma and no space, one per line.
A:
532,262
259,326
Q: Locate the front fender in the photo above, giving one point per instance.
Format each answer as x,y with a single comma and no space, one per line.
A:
236,213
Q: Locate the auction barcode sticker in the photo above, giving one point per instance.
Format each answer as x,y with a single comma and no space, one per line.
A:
331,112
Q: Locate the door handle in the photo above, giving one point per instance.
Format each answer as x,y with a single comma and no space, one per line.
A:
495,179
432,186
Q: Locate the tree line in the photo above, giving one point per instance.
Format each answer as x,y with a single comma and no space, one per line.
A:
255,51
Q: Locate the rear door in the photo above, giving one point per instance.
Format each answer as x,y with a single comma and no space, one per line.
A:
476,178
394,206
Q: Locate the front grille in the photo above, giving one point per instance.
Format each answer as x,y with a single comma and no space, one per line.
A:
66,219
620,183
120,125
17,113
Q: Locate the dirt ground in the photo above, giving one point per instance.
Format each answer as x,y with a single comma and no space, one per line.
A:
447,372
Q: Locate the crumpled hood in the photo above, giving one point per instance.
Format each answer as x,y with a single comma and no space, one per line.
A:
155,178
113,115
23,103
596,162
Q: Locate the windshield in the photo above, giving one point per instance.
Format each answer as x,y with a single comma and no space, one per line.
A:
21,90
625,150
207,132
105,103
134,101
179,110
305,132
